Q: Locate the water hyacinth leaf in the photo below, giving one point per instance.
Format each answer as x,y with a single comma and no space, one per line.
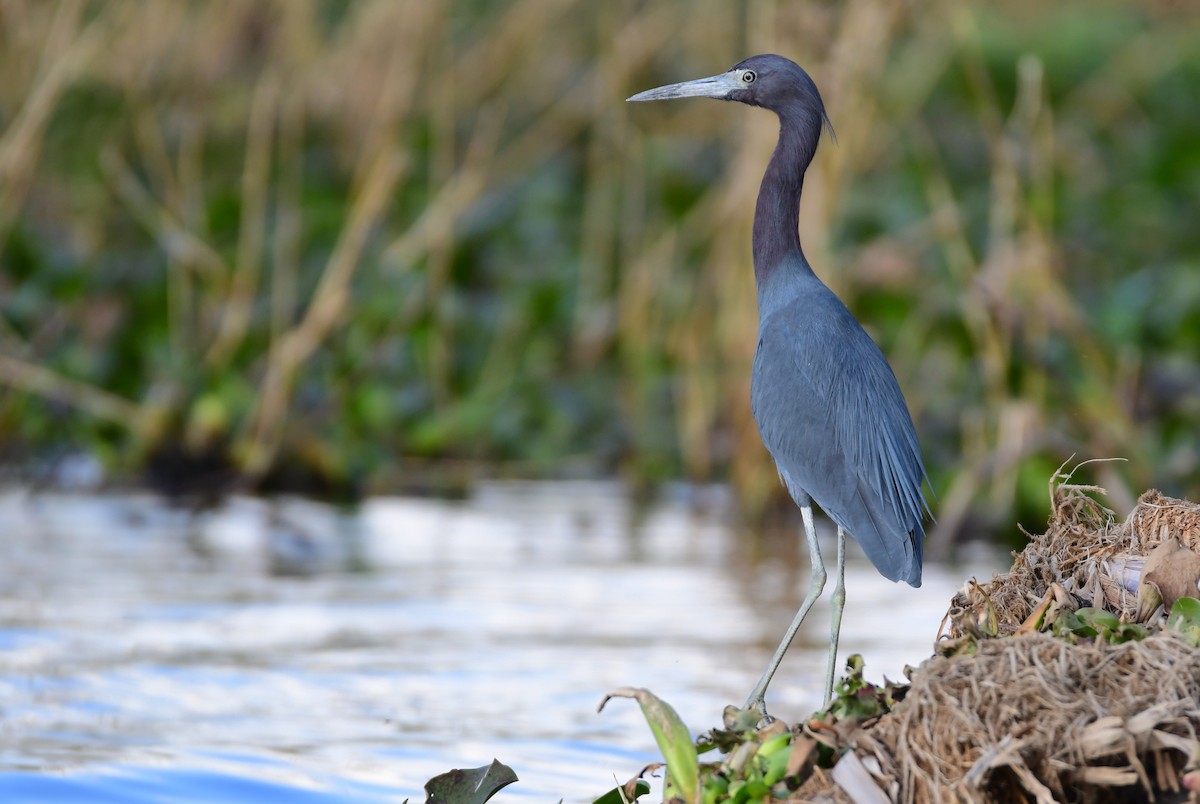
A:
673,738
470,786
753,790
777,765
716,788
1100,619
1068,626
1090,623
854,696
774,745
1131,632
1185,618
1185,612
623,794
1110,628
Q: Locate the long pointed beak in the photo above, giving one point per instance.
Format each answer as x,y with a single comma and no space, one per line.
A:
717,86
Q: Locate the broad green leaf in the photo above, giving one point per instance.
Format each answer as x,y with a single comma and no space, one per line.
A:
777,767
854,696
1069,625
775,744
1185,613
683,765
1100,619
1097,623
756,790
716,788
618,795
1185,618
473,786
1131,632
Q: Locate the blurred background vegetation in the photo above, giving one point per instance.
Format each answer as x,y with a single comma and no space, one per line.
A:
348,247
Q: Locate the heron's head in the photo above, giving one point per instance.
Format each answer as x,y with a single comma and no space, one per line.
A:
769,81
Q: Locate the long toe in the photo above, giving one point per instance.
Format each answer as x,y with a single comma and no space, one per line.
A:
746,718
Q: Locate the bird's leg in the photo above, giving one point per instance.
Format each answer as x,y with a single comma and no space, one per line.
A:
839,603
816,583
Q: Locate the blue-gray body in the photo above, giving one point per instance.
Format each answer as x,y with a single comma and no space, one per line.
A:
831,414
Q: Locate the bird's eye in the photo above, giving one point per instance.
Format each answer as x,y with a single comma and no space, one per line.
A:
748,77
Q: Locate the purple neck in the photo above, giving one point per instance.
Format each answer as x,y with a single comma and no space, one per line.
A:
777,215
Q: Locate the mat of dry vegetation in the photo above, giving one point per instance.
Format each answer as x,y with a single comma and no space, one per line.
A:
1045,686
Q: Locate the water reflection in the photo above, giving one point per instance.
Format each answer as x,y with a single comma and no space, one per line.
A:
352,655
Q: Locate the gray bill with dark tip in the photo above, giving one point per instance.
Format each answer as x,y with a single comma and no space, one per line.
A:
717,86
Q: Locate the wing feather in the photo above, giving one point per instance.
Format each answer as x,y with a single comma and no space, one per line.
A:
831,412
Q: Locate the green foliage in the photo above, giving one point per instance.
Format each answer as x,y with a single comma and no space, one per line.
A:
1092,623
673,740
754,768
473,786
626,793
760,777
855,697
759,763
1185,618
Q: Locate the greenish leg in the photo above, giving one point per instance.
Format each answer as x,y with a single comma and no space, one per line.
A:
816,583
839,603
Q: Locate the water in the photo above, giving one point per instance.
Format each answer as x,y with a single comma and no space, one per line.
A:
296,653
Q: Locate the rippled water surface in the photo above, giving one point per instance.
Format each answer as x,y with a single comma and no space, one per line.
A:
295,652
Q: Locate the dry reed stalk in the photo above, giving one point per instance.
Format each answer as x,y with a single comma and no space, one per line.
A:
243,285
327,306
68,49
95,401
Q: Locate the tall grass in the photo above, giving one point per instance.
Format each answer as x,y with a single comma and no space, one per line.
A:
383,239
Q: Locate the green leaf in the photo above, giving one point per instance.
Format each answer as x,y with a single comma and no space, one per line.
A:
1110,628
775,744
716,788
1131,632
1185,618
673,738
1185,612
473,786
757,790
854,696
1100,619
1067,626
776,767
618,795
1098,623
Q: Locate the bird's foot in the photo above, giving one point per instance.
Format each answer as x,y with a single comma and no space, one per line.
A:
747,718
757,700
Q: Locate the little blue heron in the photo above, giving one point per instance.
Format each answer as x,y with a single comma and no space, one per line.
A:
826,402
